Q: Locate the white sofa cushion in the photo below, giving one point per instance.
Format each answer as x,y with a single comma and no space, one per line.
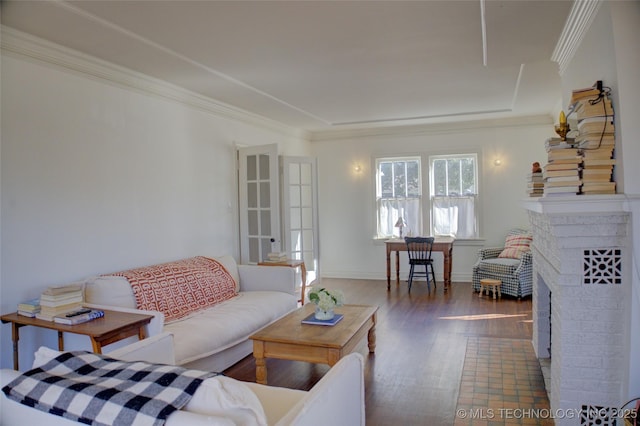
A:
109,290
231,266
227,324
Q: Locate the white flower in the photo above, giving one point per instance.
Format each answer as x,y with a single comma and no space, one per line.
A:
327,299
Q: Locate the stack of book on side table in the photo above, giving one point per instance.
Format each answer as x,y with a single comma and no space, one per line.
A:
596,139
562,172
277,257
60,300
29,308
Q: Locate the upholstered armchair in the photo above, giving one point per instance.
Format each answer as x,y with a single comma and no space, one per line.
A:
511,264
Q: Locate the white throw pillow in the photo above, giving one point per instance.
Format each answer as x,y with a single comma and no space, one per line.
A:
226,397
110,290
43,355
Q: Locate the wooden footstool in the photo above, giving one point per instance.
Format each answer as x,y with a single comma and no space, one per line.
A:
488,283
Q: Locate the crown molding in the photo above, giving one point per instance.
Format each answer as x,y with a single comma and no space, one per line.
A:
26,45
578,22
434,128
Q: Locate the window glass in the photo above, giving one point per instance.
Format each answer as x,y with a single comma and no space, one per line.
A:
454,195
399,194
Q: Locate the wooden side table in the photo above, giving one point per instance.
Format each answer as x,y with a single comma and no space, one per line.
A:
489,283
114,326
291,263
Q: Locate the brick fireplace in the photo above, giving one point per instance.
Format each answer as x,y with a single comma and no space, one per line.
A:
581,302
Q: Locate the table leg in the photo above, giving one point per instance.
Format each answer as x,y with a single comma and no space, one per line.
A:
397,268
60,341
371,337
447,267
261,364
388,267
97,346
15,337
303,271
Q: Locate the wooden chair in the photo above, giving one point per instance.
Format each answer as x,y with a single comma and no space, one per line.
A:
419,250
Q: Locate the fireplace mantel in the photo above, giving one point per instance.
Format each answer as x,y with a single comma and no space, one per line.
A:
581,288
578,204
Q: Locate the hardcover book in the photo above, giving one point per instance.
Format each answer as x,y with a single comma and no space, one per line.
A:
311,319
73,318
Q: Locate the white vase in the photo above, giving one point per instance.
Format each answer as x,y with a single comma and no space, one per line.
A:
321,314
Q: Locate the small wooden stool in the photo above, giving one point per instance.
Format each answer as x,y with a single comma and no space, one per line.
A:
488,283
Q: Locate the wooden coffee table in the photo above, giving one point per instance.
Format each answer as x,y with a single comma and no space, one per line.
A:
289,339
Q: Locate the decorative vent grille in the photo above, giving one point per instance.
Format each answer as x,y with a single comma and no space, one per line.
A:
592,415
602,266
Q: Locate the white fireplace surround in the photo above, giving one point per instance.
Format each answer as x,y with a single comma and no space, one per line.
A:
582,301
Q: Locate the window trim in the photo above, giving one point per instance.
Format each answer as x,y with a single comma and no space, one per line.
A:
477,207
377,160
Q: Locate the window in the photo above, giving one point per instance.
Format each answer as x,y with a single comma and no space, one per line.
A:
454,195
398,194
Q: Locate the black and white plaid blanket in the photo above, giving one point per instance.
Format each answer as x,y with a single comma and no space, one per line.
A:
98,390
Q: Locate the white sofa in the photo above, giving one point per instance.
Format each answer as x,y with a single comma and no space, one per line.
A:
337,399
216,337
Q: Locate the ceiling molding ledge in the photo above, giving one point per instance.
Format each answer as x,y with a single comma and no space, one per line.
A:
578,22
26,45
434,128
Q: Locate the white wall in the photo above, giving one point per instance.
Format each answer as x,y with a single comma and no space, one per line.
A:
347,198
609,52
97,178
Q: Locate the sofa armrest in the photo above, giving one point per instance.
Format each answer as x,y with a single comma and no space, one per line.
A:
156,349
268,278
154,327
338,398
525,263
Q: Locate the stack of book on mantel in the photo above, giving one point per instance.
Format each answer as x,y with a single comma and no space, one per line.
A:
60,300
535,184
596,139
597,171
562,172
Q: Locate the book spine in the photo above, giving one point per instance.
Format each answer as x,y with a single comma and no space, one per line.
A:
80,318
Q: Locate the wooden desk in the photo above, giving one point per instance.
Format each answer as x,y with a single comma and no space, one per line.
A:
114,326
442,244
291,263
289,339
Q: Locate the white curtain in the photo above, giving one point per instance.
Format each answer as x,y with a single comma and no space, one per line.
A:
455,216
390,209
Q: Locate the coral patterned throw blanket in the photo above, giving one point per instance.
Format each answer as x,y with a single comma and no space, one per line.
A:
180,288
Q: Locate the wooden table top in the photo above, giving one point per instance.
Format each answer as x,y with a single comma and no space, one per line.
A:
290,329
112,321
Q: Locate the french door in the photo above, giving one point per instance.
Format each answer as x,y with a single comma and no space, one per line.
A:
259,201
299,212
261,177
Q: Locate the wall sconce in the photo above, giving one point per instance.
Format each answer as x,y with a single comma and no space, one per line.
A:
357,168
497,162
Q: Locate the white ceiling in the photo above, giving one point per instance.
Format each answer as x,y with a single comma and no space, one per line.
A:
325,64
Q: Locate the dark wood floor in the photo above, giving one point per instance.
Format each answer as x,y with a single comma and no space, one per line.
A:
414,376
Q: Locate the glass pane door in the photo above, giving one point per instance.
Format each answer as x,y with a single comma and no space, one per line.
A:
259,198
300,216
